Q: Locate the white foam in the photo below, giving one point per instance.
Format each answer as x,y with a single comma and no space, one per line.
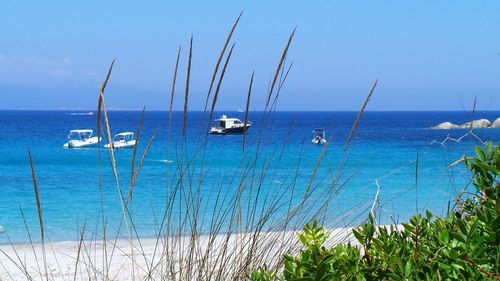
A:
164,161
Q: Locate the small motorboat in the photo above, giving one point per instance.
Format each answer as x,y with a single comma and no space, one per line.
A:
80,139
319,136
122,140
227,125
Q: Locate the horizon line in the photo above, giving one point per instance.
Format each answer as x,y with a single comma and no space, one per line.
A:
160,110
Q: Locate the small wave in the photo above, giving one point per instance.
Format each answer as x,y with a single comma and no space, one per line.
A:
81,113
164,161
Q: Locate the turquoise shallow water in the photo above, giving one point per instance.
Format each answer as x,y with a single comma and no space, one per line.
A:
384,147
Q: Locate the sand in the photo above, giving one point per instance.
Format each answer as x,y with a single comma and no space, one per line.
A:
227,256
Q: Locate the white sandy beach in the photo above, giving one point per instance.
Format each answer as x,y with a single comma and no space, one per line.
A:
227,255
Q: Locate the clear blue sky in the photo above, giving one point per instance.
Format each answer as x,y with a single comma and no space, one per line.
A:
429,55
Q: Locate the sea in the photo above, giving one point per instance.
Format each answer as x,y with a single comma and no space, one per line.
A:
394,166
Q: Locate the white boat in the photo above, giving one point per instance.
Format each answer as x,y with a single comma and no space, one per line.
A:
227,125
81,138
122,140
319,136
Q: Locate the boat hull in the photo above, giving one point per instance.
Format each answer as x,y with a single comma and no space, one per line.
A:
316,141
221,131
81,144
239,130
122,144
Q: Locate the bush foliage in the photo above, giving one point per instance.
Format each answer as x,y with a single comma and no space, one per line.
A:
464,245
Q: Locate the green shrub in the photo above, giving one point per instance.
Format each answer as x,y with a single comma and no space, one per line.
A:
462,246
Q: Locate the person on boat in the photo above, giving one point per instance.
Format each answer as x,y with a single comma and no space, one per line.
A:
318,138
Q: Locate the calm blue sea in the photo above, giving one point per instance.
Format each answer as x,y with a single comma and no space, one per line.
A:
384,148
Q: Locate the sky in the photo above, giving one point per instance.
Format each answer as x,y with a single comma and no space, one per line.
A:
427,55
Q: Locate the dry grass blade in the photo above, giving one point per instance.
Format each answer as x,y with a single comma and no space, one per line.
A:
462,159
186,96
102,106
29,238
360,113
134,178
39,209
19,263
174,79
473,113
101,198
108,134
271,89
217,90
214,102
351,133
279,68
103,87
129,196
79,249
111,152
112,159
137,134
246,111
167,174
280,86
316,167
223,51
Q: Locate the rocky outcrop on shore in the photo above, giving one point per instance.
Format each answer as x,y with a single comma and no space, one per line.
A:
495,124
446,126
481,123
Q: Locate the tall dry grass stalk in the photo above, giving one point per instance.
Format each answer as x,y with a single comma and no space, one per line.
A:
358,117
219,60
39,211
217,90
172,93
137,137
186,94
246,112
101,198
79,249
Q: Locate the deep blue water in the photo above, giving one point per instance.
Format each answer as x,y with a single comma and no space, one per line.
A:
384,147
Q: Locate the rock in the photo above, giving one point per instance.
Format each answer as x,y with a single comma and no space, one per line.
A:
445,126
495,124
481,123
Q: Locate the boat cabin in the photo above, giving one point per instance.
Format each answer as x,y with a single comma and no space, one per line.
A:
124,137
319,133
81,135
226,123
